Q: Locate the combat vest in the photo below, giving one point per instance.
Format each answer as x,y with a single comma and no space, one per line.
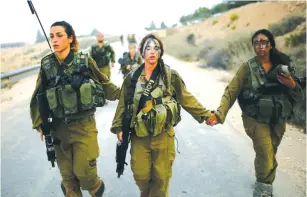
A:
266,99
161,111
70,90
102,56
128,61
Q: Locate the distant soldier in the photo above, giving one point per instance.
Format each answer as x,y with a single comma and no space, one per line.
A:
131,38
103,53
130,60
122,39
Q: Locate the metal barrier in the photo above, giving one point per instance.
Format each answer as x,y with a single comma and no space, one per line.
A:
12,77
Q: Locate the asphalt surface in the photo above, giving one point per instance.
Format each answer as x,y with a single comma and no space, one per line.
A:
213,161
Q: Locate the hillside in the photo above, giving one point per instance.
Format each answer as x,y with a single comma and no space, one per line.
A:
224,41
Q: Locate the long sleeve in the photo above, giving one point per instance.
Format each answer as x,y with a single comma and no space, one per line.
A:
34,108
112,54
187,100
110,89
117,122
231,93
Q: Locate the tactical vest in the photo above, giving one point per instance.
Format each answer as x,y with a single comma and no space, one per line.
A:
133,62
164,112
102,56
71,91
266,99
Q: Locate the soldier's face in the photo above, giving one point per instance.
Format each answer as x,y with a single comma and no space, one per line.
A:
100,38
151,51
132,50
59,39
262,45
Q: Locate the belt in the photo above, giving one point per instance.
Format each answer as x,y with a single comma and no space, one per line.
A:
76,121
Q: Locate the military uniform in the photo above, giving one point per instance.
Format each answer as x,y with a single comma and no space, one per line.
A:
72,101
102,57
152,142
266,106
126,60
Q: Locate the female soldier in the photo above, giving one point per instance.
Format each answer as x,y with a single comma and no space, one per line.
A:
154,107
73,87
266,93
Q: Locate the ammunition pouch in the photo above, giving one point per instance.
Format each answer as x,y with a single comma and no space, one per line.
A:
164,113
66,100
265,107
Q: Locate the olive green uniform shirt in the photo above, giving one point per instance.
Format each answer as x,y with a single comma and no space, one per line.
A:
178,88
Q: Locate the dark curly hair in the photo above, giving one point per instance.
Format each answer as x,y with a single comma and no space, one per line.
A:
160,60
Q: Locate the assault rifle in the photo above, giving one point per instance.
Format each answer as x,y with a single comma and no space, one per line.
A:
44,109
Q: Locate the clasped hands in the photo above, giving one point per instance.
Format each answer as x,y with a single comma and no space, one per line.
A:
212,120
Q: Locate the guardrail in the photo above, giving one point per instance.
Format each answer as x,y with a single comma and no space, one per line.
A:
12,77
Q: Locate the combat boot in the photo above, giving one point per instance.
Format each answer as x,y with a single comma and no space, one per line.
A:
263,190
97,190
71,192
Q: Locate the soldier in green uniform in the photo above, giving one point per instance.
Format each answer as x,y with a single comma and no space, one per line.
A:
103,53
74,88
130,60
159,93
266,93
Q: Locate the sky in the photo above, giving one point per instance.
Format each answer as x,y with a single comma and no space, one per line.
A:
110,17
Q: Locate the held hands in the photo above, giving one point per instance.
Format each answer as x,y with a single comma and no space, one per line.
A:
286,80
212,120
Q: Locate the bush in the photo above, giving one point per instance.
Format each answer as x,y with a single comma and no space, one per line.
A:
234,17
191,39
295,39
247,24
286,25
214,22
233,27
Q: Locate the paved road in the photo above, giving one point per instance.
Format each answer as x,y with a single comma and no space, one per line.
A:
213,161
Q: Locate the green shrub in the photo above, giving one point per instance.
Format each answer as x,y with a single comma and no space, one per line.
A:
233,17
214,22
247,24
233,27
286,25
295,39
191,39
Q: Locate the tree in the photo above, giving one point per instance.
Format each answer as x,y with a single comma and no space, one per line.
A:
94,32
151,27
163,26
39,37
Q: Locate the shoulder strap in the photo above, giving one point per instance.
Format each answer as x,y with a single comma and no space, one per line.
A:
255,73
134,79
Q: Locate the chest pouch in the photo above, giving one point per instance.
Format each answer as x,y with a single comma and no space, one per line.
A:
68,99
265,107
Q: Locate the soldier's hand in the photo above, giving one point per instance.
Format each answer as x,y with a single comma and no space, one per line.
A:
212,120
120,136
286,80
41,134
